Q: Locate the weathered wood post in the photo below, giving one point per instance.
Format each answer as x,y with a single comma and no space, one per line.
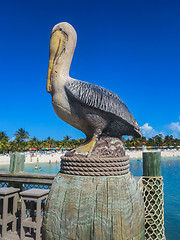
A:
95,198
16,165
17,162
152,164
153,195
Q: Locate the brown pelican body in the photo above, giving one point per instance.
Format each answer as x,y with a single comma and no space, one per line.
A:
94,110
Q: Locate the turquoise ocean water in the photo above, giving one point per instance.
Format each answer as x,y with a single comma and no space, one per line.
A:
171,178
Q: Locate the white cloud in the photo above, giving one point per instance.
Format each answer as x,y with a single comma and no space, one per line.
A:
148,131
171,129
175,128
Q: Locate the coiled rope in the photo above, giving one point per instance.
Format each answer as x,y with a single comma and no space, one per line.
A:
94,166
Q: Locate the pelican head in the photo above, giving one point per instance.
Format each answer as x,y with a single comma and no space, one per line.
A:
63,40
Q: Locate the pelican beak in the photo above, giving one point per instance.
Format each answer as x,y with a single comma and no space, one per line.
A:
54,48
48,75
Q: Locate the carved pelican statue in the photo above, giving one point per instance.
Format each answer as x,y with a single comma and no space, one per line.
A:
94,110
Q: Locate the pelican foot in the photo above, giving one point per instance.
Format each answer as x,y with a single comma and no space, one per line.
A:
86,148
83,150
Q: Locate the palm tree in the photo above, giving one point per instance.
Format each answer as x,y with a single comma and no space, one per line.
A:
158,139
135,142
67,138
151,142
4,136
21,135
33,143
51,143
43,144
80,141
4,142
168,140
66,142
13,146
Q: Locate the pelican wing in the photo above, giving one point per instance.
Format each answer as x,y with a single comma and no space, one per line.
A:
100,98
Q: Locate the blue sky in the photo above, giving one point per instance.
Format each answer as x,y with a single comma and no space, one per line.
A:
129,47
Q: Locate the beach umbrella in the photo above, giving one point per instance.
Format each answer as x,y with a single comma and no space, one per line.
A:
139,147
178,146
32,148
171,146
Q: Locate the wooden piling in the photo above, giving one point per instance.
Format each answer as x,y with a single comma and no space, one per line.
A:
152,164
17,162
153,196
95,197
103,208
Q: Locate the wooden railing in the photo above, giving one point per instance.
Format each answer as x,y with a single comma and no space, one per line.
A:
26,180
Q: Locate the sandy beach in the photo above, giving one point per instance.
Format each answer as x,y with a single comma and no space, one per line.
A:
55,157
164,153
34,158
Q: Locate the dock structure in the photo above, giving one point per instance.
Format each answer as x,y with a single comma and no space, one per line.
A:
151,184
25,181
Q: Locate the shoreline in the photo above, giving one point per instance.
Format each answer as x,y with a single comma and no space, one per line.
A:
55,157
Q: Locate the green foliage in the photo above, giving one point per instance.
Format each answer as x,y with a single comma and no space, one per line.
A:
4,136
4,144
21,135
157,141
23,142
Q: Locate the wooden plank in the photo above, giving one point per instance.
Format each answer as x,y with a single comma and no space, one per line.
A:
27,178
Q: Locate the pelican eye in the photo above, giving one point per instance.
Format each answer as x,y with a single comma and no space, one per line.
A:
60,29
